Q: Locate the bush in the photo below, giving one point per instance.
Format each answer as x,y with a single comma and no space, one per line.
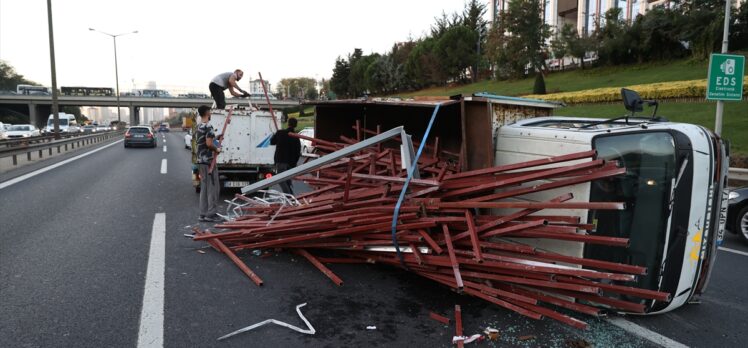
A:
539,86
661,90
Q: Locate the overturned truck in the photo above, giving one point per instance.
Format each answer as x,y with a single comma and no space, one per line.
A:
494,197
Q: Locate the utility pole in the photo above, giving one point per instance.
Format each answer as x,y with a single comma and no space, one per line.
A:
725,38
55,105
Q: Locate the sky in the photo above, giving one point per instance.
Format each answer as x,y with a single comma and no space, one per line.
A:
182,44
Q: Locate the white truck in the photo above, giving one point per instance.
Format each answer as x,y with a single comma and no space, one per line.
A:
246,155
67,124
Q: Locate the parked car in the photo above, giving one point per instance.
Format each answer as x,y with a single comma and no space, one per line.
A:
306,145
140,136
737,212
89,128
188,140
22,131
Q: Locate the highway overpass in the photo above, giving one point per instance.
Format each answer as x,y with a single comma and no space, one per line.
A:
38,104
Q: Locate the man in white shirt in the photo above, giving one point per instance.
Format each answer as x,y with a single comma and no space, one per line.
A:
223,81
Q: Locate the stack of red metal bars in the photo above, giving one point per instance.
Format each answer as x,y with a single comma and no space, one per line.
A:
452,228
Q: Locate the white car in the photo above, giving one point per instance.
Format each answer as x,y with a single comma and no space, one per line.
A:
188,140
306,145
22,131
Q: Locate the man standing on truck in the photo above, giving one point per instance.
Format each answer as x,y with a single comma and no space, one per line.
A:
223,81
287,152
210,188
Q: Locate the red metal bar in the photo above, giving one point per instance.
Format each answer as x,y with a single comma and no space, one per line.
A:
603,240
621,289
440,318
267,99
473,235
550,185
238,262
458,325
432,203
430,241
335,279
522,165
416,253
505,304
452,258
521,213
348,181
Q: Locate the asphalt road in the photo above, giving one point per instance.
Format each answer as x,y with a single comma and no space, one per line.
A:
74,249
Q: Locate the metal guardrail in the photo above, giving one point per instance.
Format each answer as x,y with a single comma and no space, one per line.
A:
738,174
38,139
71,143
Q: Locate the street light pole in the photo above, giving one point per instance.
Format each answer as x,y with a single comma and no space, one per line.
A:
55,105
116,79
116,68
725,38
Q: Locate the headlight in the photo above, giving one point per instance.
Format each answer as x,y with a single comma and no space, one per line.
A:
26,135
733,195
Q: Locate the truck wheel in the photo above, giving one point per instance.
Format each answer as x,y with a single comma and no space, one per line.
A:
741,223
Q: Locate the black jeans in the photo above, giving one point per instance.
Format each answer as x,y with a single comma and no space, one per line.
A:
216,92
286,186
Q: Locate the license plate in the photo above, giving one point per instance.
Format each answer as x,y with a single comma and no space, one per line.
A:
236,183
138,136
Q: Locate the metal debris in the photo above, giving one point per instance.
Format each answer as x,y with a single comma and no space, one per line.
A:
309,330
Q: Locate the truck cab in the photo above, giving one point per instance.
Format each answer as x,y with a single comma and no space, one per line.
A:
674,190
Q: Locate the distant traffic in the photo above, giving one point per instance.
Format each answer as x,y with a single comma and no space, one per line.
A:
109,92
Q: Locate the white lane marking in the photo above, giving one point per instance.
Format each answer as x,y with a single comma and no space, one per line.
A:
734,251
164,148
53,166
151,333
645,333
163,166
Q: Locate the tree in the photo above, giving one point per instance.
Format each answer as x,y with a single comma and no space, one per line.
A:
340,77
472,17
525,43
702,26
614,46
539,86
739,29
300,87
456,51
10,79
568,42
357,80
423,68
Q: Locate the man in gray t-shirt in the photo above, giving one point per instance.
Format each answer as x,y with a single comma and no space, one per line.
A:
223,81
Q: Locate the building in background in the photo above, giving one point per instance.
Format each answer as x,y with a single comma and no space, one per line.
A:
255,86
584,14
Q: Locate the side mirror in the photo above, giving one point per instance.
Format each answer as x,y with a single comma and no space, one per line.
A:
631,100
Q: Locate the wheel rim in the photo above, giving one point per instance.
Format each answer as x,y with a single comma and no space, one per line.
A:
744,225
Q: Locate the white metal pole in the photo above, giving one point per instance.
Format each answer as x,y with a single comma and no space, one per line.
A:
725,39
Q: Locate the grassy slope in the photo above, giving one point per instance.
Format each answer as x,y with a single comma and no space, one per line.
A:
578,80
735,121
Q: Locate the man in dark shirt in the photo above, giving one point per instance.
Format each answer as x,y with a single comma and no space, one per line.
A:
287,152
210,188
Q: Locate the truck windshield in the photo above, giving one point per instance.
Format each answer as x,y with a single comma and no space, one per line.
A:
63,122
650,162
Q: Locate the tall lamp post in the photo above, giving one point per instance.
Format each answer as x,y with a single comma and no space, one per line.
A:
116,69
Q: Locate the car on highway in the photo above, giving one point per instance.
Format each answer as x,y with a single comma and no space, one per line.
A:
737,212
103,128
164,127
22,131
89,128
306,145
140,136
3,129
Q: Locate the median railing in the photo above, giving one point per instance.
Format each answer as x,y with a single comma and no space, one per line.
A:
738,174
38,139
49,145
